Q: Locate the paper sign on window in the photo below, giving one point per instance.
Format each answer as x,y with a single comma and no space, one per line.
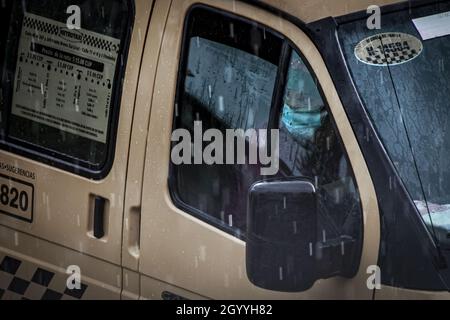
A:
64,78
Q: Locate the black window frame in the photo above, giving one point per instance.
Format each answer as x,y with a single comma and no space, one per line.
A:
66,162
288,48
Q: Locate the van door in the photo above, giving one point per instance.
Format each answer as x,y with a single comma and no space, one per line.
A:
69,78
232,66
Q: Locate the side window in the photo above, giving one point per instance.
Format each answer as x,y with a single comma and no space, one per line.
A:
310,147
233,78
229,77
61,83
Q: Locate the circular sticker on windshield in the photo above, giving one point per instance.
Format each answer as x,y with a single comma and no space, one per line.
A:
388,49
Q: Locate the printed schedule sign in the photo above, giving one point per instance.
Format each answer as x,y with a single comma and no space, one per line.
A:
64,78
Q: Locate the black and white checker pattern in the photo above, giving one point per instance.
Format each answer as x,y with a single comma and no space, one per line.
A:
100,43
18,282
388,49
392,57
41,26
88,39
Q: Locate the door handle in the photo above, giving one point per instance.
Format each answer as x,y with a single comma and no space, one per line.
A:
134,231
99,217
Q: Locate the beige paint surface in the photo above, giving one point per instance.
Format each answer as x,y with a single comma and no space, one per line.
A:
173,251
185,252
132,214
390,293
63,201
313,10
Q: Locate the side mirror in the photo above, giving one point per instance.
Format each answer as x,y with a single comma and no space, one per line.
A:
282,235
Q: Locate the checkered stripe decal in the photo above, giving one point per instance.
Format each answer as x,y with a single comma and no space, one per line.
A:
99,43
392,57
90,40
388,49
40,26
19,281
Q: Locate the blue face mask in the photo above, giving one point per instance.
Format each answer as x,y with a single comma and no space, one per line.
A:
302,124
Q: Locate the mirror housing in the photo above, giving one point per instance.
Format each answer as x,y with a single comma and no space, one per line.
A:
281,235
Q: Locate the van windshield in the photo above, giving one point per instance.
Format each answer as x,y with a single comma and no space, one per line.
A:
403,79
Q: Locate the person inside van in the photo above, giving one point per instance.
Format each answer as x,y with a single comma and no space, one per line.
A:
310,148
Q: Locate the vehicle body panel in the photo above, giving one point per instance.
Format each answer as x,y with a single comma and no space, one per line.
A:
64,201
152,249
212,263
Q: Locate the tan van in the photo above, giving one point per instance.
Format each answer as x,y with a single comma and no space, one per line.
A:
93,205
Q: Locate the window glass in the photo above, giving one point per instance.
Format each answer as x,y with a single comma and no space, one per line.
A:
406,93
230,81
310,147
234,86
230,75
60,84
